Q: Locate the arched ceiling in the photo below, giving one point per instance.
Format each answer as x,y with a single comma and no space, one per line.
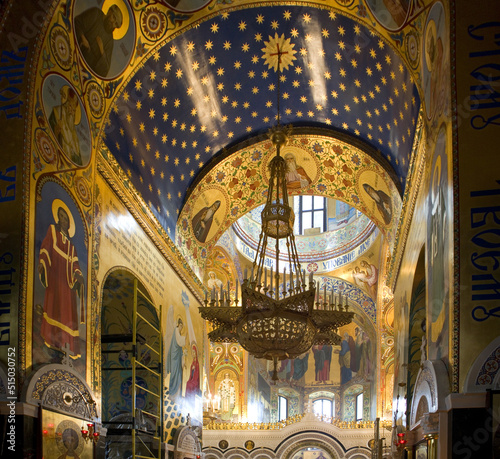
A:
238,184
214,84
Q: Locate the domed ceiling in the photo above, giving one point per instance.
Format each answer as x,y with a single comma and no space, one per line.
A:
342,241
215,85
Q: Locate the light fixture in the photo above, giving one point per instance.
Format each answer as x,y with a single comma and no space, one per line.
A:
90,433
278,319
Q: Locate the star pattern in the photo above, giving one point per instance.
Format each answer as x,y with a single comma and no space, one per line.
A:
216,85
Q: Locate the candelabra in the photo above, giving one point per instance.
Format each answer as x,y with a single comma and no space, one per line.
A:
270,323
90,434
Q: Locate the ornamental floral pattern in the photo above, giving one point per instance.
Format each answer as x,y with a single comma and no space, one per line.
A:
243,177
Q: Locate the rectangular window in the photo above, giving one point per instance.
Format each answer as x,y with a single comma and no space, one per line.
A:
310,213
324,407
282,408
307,203
359,407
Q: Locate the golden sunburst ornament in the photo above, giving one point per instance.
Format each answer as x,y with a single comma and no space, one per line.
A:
279,49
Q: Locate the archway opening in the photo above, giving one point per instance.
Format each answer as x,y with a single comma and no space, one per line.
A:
131,367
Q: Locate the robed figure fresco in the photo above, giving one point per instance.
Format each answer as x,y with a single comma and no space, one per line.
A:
345,357
94,34
63,120
176,355
322,360
366,277
202,221
70,441
382,201
296,176
213,281
292,370
62,278
193,383
227,394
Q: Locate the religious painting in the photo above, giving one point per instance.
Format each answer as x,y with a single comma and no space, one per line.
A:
301,168
438,252
182,358
215,280
227,389
187,5
435,65
376,196
105,35
60,284
209,212
392,14
365,276
220,270
355,356
421,450
67,119
293,370
258,408
62,437
322,362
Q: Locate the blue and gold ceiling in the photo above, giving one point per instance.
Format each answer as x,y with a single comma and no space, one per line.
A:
216,84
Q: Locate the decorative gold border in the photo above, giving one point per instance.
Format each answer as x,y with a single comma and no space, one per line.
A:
413,183
114,176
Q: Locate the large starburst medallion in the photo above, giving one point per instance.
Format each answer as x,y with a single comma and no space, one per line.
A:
279,49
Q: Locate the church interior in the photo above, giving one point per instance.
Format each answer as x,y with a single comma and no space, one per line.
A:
152,146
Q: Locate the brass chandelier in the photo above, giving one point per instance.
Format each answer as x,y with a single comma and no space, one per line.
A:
284,317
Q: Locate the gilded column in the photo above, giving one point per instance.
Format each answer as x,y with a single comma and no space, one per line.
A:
432,445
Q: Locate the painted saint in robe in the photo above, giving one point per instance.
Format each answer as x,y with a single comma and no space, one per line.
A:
176,360
94,35
322,360
296,176
202,221
345,358
213,281
60,274
193,384
382,201
227,394
70,441
63,120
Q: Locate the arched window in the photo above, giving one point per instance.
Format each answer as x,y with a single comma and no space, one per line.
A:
324,407
359,407
311,212
282,408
